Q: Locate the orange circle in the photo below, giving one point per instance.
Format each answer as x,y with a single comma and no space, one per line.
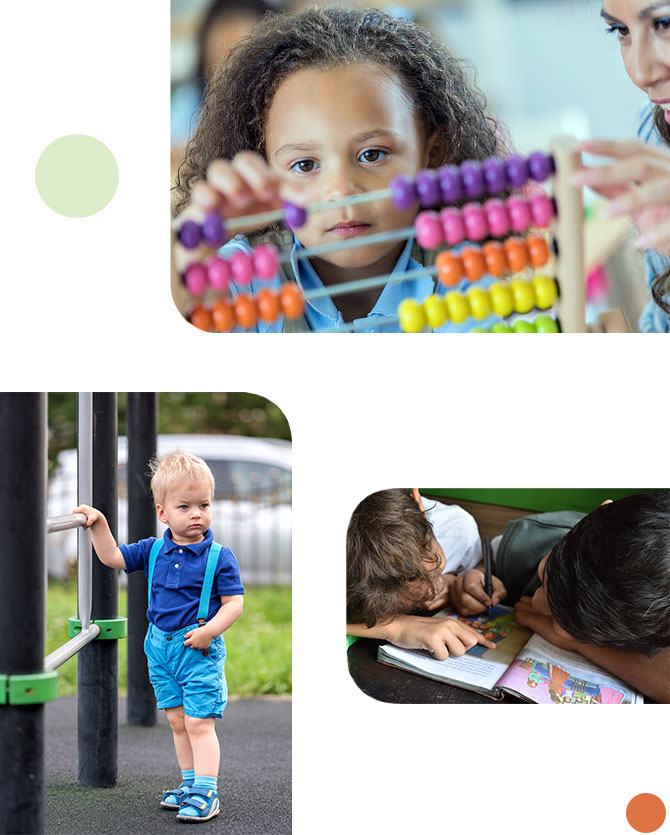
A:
449,268
268,304
245,310
292,301
473,262
645,813
223,316
201,318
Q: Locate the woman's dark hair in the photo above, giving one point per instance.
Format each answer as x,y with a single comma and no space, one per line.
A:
608,580
390,569
660,286
239,96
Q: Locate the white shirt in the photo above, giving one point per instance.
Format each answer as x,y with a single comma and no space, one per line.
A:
456,531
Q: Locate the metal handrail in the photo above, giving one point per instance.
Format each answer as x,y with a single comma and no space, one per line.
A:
65,523
64,653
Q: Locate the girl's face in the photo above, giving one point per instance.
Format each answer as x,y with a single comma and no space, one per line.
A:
343,131
643,30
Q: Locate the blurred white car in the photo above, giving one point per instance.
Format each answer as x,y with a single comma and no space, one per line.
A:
252,502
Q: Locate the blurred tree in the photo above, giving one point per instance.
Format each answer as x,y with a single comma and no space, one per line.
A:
199,413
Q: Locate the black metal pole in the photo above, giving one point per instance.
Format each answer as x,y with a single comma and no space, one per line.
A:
98,661
23,459
142,429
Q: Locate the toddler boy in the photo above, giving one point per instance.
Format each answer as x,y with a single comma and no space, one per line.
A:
195,594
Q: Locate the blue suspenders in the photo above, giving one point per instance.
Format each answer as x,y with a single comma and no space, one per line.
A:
206,593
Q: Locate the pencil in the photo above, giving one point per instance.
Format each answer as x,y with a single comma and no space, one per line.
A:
488,584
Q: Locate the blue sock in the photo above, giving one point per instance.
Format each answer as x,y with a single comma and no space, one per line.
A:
187,775
206,782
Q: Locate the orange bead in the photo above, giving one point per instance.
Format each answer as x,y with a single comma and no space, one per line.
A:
537,250
268,304
292,301
496,260
223,316
517,253
449,268
245,311
473,262
201,318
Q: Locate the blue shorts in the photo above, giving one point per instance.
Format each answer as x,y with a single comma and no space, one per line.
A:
186,676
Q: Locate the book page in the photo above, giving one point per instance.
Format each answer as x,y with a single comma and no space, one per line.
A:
548,674
480,666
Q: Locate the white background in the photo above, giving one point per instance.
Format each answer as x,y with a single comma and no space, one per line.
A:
86,305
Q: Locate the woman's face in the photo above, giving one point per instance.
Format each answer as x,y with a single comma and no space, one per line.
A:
643,30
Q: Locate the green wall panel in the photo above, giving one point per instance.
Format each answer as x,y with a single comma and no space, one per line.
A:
584,499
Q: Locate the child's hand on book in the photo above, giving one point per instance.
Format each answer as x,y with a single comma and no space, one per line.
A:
443,594
468,594
441,637
529,617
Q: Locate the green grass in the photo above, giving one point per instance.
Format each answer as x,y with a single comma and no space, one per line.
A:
258,645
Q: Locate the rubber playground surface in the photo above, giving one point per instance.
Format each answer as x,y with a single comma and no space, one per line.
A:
254,778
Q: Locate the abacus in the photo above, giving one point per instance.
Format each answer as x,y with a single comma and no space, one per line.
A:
531,243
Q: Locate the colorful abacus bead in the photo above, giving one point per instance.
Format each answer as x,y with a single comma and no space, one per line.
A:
411,316
189,234
474,183
213,230
501,327
517,253
435,309
480,303
542,210
522,326
546,291
294,216
449,268
268,305
201,318
241,267
457,306
403,192
266,261
495,175
452,226
451,184
502,299
524,297
495,258
545,324
195,279
497,217
476,227
218,273
292,301
517,171
223,316
540,166
519,214
428,188
473,261
428,230
245,310
538,250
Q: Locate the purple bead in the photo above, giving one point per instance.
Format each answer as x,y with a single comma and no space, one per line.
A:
517,171
428,188
189,234
540,165
473,179
451,184
294,216
403,192
213,232
495,175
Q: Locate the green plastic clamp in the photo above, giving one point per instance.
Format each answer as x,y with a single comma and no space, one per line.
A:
29,689
110,629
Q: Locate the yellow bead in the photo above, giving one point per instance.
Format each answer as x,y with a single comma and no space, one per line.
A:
501,299
524,297
457,306
411,316
436,310
480,303
545,291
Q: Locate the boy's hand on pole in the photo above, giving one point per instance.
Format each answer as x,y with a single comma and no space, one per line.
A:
92,515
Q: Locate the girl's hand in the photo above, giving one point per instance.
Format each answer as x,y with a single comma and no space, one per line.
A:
468,595
441,637
92,515
638,183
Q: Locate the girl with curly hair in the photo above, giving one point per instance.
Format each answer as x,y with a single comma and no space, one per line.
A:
319,105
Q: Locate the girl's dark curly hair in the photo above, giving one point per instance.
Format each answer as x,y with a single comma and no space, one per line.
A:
660,286
238,97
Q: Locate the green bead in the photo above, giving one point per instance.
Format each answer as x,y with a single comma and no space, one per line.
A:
545,324
499,327
522,326
480,330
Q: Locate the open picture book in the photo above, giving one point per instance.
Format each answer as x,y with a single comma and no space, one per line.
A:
522,663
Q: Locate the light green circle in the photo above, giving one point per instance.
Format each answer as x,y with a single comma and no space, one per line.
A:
76,175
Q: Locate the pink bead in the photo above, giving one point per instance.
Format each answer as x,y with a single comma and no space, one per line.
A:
218,273
428,230
266,261
195,279
475,221
519,213
497,217
453,226
241,267
542,209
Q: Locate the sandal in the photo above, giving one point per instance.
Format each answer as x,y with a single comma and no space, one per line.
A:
174,798
204,803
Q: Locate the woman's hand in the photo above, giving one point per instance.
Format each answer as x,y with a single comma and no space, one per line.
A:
638,184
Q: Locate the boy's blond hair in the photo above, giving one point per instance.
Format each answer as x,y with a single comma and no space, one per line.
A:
174,469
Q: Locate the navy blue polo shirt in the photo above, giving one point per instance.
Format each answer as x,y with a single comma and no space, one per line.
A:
178,576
